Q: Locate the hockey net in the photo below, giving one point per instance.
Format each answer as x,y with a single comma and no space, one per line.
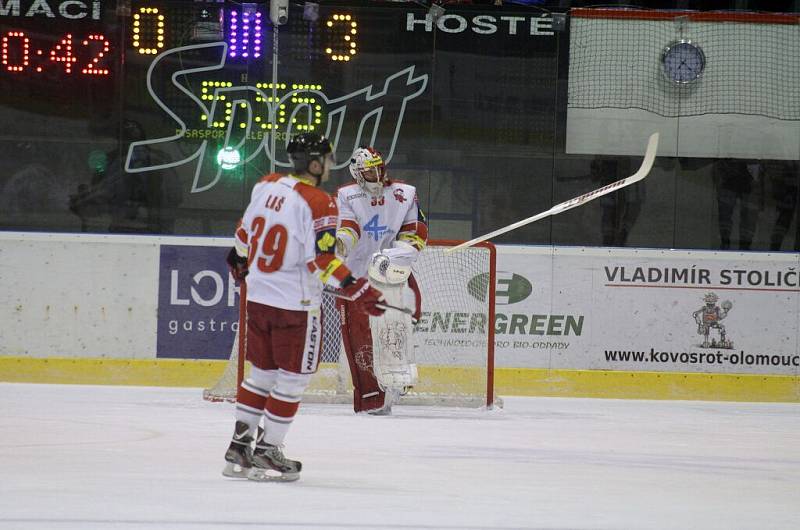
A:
453,342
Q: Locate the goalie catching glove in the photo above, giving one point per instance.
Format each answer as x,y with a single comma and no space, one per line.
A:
237,265
366,297
393,265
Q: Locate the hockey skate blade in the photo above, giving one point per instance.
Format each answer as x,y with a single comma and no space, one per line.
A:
235,470
270,475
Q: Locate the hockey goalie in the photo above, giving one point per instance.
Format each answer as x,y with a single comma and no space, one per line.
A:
381,231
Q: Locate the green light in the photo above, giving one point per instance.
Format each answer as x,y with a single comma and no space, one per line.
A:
98,161
228,158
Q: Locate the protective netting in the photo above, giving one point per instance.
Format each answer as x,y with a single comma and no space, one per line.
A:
453,342
752,62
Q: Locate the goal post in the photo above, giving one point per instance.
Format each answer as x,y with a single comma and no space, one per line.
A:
227,385
453,342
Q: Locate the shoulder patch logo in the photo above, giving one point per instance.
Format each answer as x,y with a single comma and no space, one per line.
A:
326,242
398,194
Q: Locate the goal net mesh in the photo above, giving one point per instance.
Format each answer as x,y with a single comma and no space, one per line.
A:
453,342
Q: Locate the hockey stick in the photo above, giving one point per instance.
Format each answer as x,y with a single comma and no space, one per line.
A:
383,306
647,164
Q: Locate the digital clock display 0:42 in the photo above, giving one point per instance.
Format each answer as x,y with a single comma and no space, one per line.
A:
69,54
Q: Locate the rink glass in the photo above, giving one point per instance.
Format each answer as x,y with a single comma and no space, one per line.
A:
157,117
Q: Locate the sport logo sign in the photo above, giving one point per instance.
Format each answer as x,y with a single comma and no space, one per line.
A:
364,111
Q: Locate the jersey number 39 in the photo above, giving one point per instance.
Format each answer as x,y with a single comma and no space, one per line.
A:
272,248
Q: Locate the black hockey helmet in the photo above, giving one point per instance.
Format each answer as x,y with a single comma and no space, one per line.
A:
306,147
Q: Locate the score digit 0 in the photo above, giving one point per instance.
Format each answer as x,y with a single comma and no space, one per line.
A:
139,30
24,44
345,29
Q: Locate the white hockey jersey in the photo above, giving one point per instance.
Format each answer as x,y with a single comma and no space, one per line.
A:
288,233
373,224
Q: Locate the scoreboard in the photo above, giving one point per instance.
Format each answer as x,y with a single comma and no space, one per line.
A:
73,38
208,87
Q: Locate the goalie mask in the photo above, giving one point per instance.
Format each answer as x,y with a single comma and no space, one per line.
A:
369,170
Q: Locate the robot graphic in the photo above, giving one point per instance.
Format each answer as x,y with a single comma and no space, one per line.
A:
708,317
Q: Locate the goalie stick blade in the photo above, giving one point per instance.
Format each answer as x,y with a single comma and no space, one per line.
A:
643,171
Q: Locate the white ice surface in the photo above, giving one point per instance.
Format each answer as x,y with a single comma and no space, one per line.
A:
83,457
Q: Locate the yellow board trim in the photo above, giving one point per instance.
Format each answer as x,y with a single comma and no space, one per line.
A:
135,372
508,381
647,385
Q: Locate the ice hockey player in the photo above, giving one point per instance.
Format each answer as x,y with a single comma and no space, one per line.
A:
381,231
285,247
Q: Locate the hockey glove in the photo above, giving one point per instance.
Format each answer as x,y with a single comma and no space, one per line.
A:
237,265
365,297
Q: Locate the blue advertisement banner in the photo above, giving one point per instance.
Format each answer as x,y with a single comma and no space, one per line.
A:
198,303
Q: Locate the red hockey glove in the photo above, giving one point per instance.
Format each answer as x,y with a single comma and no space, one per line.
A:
365,297
237,265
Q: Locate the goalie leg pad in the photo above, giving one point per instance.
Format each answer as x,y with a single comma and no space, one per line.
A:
357,339
394,359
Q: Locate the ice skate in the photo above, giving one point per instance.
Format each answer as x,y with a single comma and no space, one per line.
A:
270,464
383,411
239,456
392,395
